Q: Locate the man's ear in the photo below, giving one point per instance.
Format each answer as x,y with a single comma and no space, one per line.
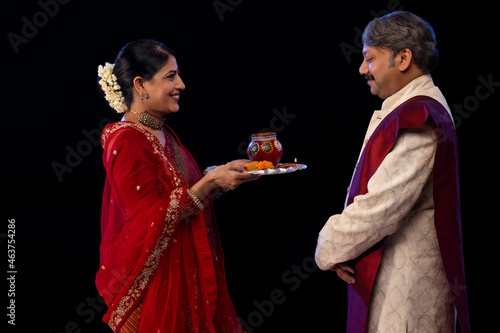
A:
405,59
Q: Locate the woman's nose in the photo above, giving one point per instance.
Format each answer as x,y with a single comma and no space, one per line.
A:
179,84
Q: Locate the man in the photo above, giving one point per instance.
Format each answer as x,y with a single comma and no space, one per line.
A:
398,241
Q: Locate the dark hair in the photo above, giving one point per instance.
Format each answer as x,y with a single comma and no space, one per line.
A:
401,30
144,58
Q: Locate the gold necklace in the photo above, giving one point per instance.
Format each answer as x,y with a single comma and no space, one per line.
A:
149,120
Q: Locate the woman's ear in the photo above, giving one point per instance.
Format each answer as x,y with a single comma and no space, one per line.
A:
405,59
138,85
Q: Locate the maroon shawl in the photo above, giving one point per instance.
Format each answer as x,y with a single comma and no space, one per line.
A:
412,114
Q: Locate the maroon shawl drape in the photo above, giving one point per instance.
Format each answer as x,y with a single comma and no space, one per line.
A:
446,194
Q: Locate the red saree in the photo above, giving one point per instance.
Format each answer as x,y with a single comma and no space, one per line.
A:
161,264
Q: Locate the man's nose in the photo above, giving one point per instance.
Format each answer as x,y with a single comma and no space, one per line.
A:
363,69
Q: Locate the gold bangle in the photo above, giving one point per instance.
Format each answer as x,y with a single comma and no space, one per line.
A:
195,199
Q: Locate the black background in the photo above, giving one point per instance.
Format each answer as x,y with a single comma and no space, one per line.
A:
242,67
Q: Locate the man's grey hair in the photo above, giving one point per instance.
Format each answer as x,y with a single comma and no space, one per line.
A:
401,30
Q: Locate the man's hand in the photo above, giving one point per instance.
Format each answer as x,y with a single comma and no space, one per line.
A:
345,272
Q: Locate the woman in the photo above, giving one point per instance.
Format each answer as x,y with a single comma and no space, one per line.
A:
161,266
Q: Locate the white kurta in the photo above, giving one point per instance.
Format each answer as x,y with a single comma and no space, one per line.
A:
410,292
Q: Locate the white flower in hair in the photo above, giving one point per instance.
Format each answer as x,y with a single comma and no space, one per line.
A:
111,89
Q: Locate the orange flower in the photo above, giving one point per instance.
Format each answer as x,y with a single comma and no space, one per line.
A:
258,165
263,165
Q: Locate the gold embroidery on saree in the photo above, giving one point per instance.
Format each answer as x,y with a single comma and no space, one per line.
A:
172,215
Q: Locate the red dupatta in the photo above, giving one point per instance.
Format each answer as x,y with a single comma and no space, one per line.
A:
160,255
446,194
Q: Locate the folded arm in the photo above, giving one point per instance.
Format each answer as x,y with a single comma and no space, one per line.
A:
392,192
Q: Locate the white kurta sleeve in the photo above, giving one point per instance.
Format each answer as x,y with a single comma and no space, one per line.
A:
392,192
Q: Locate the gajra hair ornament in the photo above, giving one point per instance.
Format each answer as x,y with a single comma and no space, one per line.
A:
109,85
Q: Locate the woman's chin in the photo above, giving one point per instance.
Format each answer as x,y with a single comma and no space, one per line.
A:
172,109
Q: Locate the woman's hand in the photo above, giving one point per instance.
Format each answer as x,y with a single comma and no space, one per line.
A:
345,272
229,176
